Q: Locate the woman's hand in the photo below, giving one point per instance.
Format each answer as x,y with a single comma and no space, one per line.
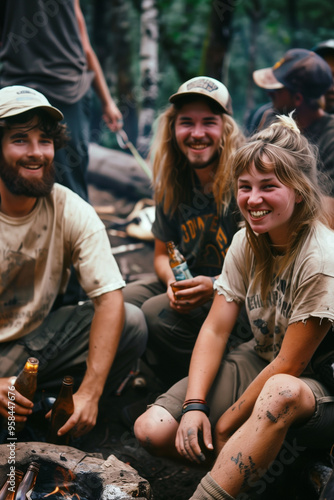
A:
193,423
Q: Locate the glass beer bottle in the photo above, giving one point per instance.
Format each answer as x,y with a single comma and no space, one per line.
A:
177,262
8,490
26,384
62,409
28,482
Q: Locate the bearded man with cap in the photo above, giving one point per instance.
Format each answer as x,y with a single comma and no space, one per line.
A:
44,229
195,136
298,82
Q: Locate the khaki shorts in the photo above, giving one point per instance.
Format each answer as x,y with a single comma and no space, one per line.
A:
238,369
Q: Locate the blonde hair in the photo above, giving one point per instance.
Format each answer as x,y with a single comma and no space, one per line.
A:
281,148
173,180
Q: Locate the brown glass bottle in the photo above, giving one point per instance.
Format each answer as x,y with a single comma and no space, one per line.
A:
26,384
62,409
9,489
28,482
177,262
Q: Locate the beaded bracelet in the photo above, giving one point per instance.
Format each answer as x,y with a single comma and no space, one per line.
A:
196,406
194,400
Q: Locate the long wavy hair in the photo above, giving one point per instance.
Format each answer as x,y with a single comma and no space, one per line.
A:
173,180
282,149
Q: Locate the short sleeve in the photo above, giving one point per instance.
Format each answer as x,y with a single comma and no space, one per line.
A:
233,280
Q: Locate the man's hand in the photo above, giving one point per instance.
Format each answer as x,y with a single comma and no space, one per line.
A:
192,293
113,117
12,403
83,419
192,423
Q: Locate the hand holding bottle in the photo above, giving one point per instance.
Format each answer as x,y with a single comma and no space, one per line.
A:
8,396
84,416
188,294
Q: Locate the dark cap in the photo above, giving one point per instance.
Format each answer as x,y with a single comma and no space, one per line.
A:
207,87
299,70
324,48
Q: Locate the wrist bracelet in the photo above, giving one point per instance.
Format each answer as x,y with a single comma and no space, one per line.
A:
196,406
194,400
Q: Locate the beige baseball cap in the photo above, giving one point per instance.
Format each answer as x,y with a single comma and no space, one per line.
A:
207,87
17,99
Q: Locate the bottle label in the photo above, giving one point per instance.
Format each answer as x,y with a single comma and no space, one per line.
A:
181,272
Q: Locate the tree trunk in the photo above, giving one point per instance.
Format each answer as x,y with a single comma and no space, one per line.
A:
120,26
219,39
112,43
149,73
256,15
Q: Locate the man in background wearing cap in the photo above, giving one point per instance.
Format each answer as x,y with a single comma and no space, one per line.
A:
326,51
44,228
195,137
297,83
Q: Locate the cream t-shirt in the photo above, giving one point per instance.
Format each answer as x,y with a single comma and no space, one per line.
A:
305,289
37,251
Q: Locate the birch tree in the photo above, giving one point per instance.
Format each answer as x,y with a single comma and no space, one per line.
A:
148,73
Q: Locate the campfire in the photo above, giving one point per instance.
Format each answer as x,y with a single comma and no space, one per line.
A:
56,482
70,474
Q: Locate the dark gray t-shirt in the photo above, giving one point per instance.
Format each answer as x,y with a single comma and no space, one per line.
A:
202,236
41,48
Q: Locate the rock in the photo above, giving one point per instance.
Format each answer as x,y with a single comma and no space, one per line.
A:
117,171
104,479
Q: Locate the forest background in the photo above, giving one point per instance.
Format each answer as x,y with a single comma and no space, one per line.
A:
147,48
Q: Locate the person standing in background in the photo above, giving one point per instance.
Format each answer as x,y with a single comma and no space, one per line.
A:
45,46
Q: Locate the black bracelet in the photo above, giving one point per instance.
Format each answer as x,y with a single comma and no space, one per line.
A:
196,406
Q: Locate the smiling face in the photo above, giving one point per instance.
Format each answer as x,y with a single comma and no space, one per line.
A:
198,133
266,204
26,163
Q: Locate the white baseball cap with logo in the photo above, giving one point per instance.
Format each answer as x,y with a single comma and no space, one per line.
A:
17,99
207,87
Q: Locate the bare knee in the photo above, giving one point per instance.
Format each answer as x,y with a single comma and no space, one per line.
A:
283,400
156,430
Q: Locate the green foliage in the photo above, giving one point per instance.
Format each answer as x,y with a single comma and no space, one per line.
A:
277,32
272,26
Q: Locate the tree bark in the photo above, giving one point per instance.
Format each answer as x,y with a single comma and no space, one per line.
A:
256,14
149,73
220,34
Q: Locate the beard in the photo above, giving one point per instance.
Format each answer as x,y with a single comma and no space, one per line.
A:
200,166
35,188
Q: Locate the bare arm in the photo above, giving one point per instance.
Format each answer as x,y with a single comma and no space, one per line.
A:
205,361
105,333
299,344
111,114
